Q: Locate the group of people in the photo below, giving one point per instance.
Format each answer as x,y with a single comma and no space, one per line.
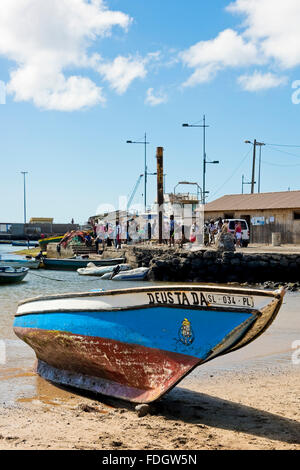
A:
138,229
213,228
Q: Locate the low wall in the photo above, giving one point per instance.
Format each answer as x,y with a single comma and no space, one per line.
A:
171,265
212,266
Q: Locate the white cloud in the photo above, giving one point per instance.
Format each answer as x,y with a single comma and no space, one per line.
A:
122,71
47,40
269,36
227,49
261,81
155,100
274,24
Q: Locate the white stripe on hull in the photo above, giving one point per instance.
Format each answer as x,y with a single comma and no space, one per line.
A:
184,298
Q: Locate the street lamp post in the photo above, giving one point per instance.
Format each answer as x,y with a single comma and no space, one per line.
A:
205,162
24,173
199,189
145,143
260,145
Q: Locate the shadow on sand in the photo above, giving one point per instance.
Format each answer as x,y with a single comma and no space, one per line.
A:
197,408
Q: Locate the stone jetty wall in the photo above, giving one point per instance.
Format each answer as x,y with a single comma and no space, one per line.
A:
212,266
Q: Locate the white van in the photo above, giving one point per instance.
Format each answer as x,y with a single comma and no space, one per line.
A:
245,230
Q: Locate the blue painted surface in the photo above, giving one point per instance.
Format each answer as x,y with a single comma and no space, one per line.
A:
153,327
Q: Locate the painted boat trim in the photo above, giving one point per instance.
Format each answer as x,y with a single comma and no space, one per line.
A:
134,290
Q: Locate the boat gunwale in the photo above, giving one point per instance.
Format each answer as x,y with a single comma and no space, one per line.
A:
134,290
213,308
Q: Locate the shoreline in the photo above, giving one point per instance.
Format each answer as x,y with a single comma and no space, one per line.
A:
237,409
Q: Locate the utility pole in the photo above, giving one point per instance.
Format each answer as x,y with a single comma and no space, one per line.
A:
145,143
205,162
146,173
261,144
160,190
253,167
24,173
255,144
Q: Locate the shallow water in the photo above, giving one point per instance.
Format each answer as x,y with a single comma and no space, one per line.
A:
19,383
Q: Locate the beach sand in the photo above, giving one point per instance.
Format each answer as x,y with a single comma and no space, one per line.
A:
249,399
233,410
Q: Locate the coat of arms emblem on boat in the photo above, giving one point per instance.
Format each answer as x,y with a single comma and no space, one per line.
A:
186,334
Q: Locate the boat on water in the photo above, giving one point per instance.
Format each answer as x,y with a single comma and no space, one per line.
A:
138,274
76,263
43,242
25,243
30,263
93,270
9,275
136,344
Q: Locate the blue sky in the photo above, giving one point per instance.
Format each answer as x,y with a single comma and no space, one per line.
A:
78,76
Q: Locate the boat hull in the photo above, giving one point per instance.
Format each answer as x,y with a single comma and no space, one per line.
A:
112,368
136,344
13,277
21,263
74,264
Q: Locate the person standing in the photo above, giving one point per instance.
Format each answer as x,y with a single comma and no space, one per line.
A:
172,230
238,234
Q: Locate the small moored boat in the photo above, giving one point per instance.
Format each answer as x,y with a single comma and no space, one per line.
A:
75,263
138,274
93,270
136,344
30,263
43,242
25,243
9,275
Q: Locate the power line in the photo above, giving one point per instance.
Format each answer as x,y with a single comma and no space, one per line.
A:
287,153
283,145
277,164
232,175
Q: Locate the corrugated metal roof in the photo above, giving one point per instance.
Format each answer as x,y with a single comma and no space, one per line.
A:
249,202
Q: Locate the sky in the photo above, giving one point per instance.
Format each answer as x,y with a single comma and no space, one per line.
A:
79,78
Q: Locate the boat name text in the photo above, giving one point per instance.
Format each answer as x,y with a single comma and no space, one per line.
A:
198,299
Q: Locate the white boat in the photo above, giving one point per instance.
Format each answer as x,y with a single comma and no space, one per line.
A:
138,274
93,270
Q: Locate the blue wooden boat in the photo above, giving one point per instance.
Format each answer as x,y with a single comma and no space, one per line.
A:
25,243
75,263
30,263
9,275
136,344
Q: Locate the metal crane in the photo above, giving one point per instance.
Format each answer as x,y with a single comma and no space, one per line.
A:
134,191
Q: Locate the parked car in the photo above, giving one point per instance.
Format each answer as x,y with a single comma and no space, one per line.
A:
245,230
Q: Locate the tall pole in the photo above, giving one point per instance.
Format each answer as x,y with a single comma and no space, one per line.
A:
243,184
259,168
261,144
253,167
160,191
204,160
24,173
145,189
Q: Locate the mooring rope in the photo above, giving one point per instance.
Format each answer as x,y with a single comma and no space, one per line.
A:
58,280
46,277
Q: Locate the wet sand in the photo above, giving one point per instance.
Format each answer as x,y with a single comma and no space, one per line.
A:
246,400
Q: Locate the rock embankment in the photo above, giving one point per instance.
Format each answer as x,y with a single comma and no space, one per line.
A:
213,266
